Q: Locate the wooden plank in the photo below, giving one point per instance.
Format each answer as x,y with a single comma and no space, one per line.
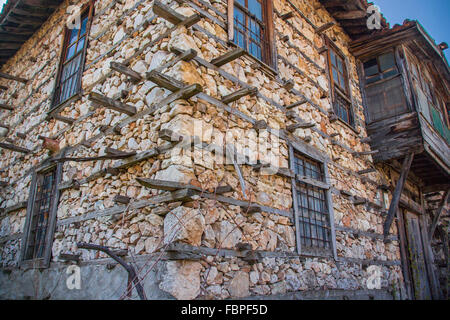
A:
370,170
239,94
167,13
325,27
112,104
67,120
438,214
228,57
121,199
14,148
287,16
300,125
120,67
14,78
173,186
6,107
116,152
397,194
296,104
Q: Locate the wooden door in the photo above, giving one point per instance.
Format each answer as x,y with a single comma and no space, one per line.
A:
416,257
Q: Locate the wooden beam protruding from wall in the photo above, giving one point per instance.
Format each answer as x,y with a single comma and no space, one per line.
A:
228,57
14,78
67,120
438,214
121,68
14,148
325,27
393,207
6,107
167,13
239,94
112,104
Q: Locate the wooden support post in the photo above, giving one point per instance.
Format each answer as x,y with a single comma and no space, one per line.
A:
120,67
112,104
239,94
438,214
14,148
325,27
14,78
6,107
397,194
357,201
228,57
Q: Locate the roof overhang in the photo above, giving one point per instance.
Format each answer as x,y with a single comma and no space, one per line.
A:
19,20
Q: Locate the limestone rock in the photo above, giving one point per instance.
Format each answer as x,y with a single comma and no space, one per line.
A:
184,224
182,279
239,286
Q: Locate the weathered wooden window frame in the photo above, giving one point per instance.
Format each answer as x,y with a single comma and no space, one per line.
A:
43,262
326,186
89,8
270,55
346,96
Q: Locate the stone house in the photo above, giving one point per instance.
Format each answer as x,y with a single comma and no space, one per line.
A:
215,149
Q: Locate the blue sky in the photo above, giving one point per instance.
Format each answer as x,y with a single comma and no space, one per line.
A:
432,14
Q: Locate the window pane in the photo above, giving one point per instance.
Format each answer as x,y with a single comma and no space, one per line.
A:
255,8
73,36
340,65
371,67
333,57
80,44
387,61
71,52
83,26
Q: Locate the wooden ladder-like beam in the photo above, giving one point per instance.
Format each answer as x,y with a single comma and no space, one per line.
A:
397,194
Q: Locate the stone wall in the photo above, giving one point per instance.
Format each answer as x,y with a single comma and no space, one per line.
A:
129,32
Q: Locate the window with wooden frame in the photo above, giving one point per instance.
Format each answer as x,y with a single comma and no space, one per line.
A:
340,85
41,217
71,67
383,87
312,206
250,26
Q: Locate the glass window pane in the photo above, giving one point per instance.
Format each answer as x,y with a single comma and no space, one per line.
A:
83,26
333,57
371,67
80,45
340,65
387,61
73,36
255,8
70,52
